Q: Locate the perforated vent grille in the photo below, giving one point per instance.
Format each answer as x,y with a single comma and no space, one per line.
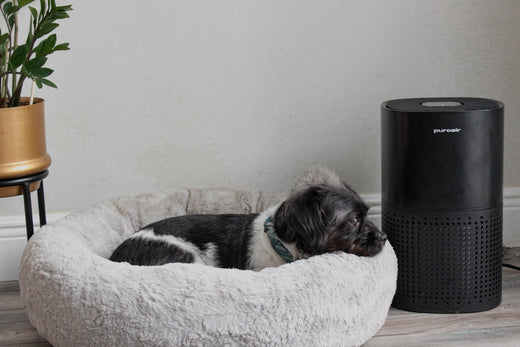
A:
448,262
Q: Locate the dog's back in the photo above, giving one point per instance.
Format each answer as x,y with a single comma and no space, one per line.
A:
219,240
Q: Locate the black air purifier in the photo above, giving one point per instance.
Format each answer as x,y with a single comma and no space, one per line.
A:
442,168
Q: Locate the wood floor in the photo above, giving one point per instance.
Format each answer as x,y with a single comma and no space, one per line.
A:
497,327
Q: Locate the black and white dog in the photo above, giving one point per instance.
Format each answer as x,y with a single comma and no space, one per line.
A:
321,215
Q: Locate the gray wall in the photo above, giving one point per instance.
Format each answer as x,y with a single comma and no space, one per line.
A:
247,94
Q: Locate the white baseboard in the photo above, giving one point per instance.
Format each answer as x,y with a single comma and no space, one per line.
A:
13,238
13,235
512,217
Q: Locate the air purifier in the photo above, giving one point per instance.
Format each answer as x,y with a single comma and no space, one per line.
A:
442,169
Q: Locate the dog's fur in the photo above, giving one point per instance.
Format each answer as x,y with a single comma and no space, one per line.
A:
321,215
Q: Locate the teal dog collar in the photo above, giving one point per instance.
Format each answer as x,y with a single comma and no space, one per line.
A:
276,243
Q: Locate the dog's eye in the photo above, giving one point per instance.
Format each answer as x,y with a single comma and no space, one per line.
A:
354,222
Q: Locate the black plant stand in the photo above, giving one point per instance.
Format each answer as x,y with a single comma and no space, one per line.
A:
25,182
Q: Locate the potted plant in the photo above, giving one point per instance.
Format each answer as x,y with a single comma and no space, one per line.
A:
22,129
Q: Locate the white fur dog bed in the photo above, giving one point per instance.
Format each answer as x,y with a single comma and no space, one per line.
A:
74,296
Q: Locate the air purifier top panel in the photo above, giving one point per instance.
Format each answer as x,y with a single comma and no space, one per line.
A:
426,105
442,153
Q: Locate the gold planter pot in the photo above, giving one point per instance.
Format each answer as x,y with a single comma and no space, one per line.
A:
23,150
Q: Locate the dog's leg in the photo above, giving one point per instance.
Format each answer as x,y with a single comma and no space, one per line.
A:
141,251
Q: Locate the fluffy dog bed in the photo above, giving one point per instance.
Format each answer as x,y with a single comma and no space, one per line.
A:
74,296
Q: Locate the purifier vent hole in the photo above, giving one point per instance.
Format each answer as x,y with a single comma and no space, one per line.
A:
447,263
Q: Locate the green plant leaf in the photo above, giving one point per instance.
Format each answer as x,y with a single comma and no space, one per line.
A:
48,44
62,47
42,72
34,64
38,50
10,20
38,83
57,15
45,29
46,47
48,83
9,8
64,8
34,12
4,38
30,36
18,57
22,3
3,48
43,8
45,72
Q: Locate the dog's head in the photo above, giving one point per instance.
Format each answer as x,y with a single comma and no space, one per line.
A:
322,215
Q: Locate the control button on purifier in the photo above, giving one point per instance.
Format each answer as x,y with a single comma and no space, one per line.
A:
441,103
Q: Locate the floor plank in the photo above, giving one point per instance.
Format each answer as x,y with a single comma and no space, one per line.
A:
9,286
504,336
10,300
512,256
16,330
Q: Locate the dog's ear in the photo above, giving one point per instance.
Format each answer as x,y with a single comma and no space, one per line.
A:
317,175
300,220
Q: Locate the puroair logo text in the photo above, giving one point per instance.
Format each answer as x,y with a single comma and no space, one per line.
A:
443,131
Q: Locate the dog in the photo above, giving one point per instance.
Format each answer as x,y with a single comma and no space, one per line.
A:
321,215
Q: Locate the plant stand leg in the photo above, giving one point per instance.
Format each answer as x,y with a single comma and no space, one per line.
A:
41,205
28,209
